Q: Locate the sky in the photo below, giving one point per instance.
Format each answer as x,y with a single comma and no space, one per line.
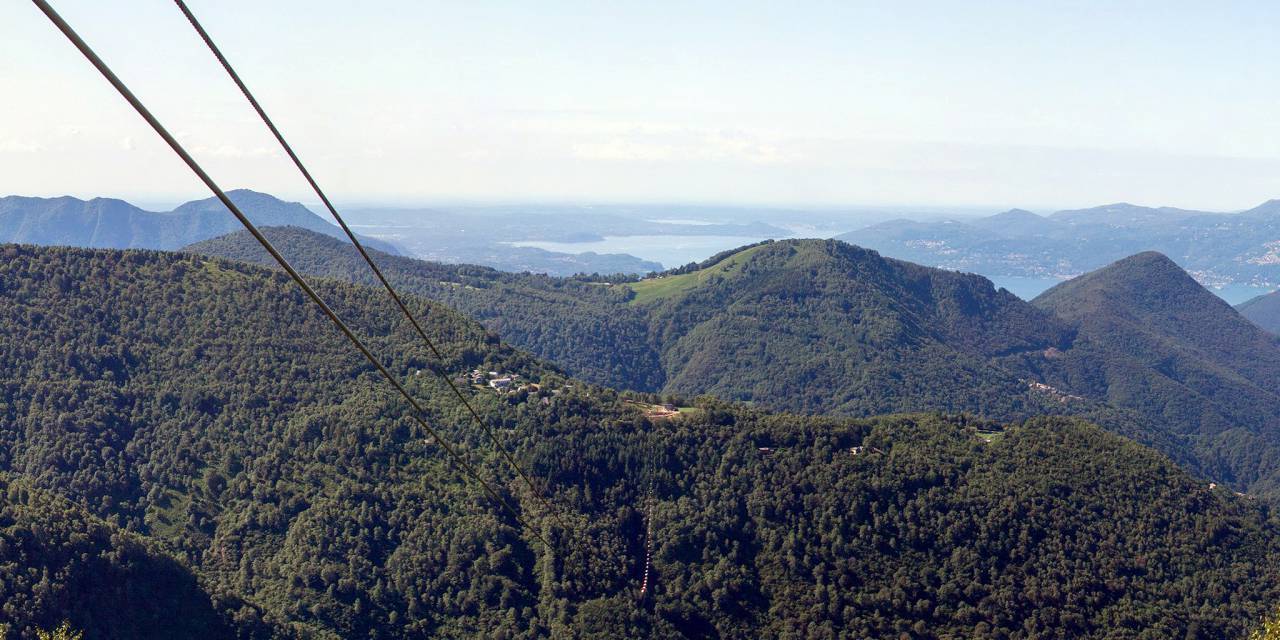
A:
969,104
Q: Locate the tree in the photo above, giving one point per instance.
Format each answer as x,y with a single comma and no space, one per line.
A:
1269,630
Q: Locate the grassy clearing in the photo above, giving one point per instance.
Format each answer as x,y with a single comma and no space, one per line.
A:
652,289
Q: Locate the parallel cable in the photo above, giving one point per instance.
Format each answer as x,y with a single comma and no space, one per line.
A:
315,186
195,167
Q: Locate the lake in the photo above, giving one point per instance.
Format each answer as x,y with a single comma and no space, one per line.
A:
675,251
1028,288
671,251
1023,287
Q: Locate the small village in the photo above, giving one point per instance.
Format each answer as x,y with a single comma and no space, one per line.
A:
507,383
1052,392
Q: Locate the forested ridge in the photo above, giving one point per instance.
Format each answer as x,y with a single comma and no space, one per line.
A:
822,327
1151,339
810,326
202,421
583,326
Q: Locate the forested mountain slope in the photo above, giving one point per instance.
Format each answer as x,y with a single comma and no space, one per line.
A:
585,327
61,563
823,326
116,224
814,326
1263,311
1152,339
808,325
204,405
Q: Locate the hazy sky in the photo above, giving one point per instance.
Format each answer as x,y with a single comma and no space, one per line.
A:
1026,103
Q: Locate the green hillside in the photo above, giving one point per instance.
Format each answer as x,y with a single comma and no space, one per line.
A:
586,328
204,406
822,326
1152,339
801,325
811,326
671,287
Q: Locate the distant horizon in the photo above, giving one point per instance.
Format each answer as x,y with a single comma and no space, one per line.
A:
164,203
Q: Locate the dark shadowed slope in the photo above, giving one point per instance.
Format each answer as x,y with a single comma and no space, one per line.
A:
59,563
1263,311
115,224
1152,339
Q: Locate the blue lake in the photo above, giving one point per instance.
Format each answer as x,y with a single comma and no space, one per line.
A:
1237,293
1024,287
671,251
1028,288
674,251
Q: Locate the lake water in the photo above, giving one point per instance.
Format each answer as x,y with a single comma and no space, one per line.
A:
1028,288
1237,293
675,251
671,251
1024,287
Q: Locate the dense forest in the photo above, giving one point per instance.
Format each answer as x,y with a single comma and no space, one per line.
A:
190,445
811,326
584,327
1151,339
807,326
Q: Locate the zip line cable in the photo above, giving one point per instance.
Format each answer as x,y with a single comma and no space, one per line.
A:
315,186
195,167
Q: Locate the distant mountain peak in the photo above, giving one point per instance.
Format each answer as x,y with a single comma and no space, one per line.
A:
1270,207
1146,259
1015,222
250,194
1016,214
242,197
114,223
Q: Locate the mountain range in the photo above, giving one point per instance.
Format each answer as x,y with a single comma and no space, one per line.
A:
194,450
116,224
1216,248
186,429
